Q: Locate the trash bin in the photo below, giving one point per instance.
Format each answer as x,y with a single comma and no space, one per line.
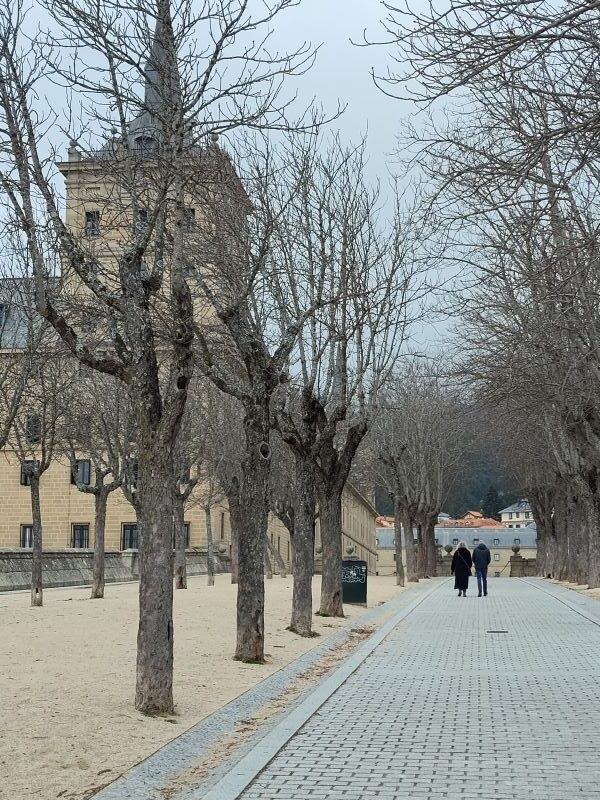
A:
354,581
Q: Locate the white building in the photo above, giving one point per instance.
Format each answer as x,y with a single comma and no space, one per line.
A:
517,516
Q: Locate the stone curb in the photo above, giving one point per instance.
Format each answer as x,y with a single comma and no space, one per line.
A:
574,606
145,780
247,769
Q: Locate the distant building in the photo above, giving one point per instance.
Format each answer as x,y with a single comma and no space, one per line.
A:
470,519
500,541
386,550
518,515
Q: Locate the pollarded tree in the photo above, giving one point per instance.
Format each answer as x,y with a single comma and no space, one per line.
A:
124,305
35,438
361,272
98,435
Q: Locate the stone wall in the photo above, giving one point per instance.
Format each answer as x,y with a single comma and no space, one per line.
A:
74,567
522,567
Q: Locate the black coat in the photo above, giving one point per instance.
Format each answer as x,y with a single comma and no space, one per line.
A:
461,568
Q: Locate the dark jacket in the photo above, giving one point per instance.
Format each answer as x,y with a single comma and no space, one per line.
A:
481,557
461,568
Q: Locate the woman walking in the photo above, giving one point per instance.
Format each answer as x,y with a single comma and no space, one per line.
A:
461,568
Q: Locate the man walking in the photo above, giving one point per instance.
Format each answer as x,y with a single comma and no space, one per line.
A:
481,560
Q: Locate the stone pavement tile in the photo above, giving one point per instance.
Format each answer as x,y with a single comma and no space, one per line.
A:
445,710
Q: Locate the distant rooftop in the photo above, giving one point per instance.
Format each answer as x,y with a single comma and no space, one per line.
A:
519,507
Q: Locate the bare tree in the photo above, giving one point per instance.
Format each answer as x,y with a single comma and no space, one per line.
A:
35,438
125,308
99,439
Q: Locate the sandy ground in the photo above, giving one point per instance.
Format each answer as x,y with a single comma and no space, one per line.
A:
594,594
67,670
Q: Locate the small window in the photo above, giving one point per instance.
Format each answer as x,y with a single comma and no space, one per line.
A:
186,533
129,537
510,516
496,574
475,541
27,536
454,541
279,544
517,541
80,535
437,541
81,472
26,470
394,556
377,541
92,223
517,526
222,524
189,219
527,515
33,428
496,541
496,557
288,551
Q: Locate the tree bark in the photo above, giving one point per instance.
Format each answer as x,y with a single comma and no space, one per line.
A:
277,559
154,679
303,565
179,536
251,541
235,523
330,520
100,501
268,568
412,574
210,548
431,547
37,591
400,576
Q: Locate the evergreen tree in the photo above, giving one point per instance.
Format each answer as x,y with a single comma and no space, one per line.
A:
491,503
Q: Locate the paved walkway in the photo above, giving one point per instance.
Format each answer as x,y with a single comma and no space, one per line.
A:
447,708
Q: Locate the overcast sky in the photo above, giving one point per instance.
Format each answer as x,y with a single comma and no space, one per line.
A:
342,70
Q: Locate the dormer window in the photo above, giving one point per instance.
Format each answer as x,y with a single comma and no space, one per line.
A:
92,223
145,144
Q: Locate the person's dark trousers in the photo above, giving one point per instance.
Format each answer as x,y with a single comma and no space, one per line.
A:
482,581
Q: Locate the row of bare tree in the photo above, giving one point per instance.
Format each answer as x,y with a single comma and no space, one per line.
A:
279,280
514,174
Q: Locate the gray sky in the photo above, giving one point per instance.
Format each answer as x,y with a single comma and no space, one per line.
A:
343,70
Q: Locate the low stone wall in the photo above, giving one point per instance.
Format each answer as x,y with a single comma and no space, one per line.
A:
74,567
522,567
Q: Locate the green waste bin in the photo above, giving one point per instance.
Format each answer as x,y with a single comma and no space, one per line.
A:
354,581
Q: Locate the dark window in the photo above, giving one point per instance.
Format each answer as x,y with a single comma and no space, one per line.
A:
129,536
132,470
517,526
279,544
454,541
475,541
186,533
26,470
27,536
92,223
394,556
288,551
80,535
81,472
145,144
527,515
517,541
496,541
222,524
33,428
437,541
189,219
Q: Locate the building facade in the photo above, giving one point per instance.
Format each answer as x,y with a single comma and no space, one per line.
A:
518,515
500,542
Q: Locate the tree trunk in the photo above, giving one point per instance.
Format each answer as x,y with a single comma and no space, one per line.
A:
235,523
330,520
37,591
179,536
303,569
251,541
100,501
277,558
268,568
210,548
400,577
431,547
412,574
154,679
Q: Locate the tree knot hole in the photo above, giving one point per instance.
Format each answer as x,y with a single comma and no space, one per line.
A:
265,450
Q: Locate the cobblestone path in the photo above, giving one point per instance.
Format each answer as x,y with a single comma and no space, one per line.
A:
450,707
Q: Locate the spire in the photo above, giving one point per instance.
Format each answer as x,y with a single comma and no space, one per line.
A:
162,89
